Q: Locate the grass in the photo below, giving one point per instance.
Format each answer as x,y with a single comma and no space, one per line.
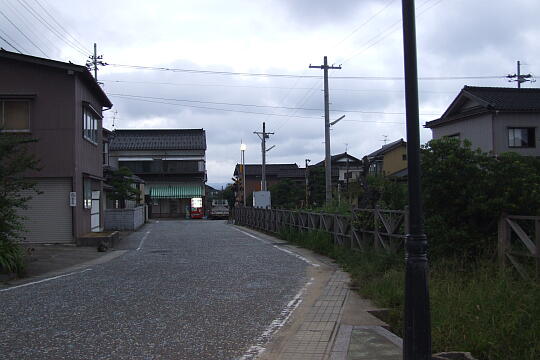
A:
475,307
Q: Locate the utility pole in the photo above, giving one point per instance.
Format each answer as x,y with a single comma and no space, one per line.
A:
95,61
519,78
307,181
327,161
263,136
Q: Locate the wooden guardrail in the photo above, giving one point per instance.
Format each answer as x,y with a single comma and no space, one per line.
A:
519,242
364,227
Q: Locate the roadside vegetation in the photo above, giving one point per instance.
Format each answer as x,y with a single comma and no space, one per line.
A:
15,192
476,306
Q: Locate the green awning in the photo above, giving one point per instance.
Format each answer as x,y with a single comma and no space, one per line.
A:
176,192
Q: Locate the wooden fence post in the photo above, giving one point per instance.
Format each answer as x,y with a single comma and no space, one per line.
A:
537,241
503,239
376,227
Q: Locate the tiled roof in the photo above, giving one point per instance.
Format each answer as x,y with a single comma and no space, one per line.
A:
386,148
175,139
270,169
490,99
334,158
496,98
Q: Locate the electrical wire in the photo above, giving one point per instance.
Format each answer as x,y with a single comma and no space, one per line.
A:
386,6
81,45
12,41
49,27
140,67
23,34
33,31
389,30
262,87
174,101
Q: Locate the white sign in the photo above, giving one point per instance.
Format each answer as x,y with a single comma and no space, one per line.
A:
196,202
72,199
261,199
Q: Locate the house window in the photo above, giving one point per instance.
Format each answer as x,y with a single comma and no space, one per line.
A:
90,125
404,157
521,137
15,115
105,153
87,192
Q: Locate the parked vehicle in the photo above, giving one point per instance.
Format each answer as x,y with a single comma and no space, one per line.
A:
219,209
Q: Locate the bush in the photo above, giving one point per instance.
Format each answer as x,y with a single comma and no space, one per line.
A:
475,306
465,191
11,257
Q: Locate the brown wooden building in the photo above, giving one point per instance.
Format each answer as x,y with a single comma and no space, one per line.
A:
59,104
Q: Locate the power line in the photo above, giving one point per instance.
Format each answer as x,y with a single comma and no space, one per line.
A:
390,30
211,72
12,41
23,34
32,28
48,26
257,105
265,87
371,18
81,45
7,42
252,112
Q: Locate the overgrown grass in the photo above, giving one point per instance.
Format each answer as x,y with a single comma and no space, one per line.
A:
475,307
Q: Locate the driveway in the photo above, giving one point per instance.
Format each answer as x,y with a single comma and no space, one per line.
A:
185,290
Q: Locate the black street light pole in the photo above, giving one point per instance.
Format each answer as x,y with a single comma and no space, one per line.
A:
417,332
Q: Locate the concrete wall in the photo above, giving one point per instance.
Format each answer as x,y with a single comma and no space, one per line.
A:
124,219
478,130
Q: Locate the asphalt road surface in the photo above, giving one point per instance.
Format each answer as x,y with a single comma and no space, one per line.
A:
185,290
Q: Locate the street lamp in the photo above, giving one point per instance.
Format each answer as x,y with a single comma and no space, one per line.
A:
243,148
417,332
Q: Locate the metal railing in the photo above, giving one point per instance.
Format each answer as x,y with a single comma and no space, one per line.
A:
364,227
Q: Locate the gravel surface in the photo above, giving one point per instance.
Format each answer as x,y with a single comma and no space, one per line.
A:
195,290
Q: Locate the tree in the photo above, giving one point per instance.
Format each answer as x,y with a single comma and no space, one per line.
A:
465,191
228,194
287,194
15,192
317,187
122,182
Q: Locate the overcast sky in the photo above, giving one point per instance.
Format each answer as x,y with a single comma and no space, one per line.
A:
456,38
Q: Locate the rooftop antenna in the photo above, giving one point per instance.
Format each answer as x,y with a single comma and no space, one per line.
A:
385,139
114,118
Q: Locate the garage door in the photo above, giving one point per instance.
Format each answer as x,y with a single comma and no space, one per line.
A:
48,217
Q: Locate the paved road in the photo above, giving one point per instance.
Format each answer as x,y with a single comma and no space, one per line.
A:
193,290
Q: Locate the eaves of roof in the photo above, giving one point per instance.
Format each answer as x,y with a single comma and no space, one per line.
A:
86,76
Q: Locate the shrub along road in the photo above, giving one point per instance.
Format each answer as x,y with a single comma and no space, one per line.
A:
186,290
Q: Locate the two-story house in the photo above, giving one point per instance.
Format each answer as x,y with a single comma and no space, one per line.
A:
344,166
59,104
172,164
274,173
496,120
389,160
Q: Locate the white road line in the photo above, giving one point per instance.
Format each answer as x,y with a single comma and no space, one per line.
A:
142,240
44,280
292,253
257,349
